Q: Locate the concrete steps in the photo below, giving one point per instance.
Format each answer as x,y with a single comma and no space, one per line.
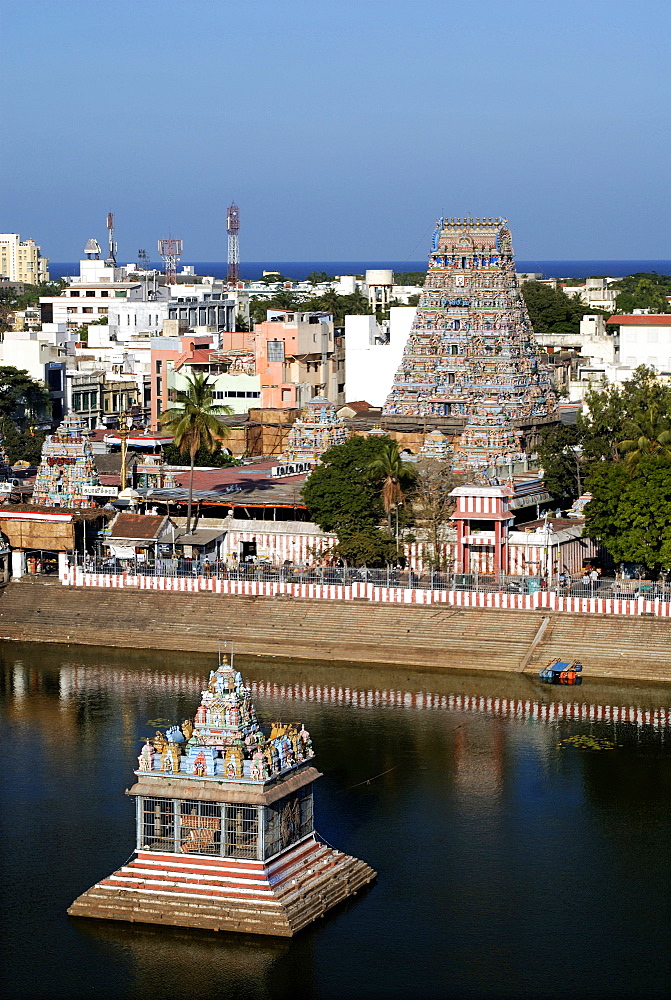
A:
433,637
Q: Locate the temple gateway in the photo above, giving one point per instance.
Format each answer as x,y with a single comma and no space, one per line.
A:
471,350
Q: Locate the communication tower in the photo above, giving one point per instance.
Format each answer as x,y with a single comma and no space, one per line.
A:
143,261
170,250
111,258
232,228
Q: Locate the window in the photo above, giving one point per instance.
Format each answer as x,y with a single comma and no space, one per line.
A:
287,821
72,309
90,294
94,400
76,401
120,295
241,831
159,367
159,386
102,310
157,831
74,295
200,828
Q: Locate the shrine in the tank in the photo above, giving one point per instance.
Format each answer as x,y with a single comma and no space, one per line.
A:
225,834
471,350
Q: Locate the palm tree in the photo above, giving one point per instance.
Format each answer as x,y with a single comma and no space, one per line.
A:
649,435
390,467
193,424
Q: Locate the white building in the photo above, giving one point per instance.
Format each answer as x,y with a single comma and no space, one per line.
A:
373,353
645,339
596,292
21,260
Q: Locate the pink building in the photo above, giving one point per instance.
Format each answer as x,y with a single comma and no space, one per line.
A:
166,352
297,358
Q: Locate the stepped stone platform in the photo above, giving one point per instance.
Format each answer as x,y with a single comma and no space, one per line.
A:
280,901
434,638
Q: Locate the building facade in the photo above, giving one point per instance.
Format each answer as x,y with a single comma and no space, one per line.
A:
21,260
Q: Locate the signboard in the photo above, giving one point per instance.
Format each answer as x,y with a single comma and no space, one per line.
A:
275,350
6,487
293,469
101,491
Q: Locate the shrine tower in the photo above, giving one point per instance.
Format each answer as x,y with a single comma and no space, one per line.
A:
67,471
471,350
225,827
317,429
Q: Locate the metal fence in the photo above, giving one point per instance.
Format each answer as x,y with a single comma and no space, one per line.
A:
575,586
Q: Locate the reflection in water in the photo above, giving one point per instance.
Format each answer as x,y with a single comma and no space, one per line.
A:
171,962
486,827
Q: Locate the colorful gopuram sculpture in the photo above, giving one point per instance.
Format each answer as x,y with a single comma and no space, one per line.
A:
471,350
67,467
225,827
317,429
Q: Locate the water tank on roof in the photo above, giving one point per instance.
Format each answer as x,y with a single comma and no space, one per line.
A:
379,277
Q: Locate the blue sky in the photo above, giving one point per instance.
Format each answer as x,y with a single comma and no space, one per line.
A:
341,129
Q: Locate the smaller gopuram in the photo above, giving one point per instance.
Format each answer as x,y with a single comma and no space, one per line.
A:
67,468
317,429
225,827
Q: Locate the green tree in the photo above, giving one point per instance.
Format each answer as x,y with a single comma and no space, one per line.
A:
643,290
21,445
21,397
409,277
630,512
341,492
649,434
611,408
551,310
393,473
319,277
241,324
193,423
561,463
366,548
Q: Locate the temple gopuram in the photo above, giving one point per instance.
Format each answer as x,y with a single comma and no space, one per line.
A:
471,350
317,429
67,468
225,827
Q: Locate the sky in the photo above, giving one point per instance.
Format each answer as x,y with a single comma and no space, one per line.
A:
341,130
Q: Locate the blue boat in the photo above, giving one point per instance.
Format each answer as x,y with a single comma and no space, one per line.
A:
561,672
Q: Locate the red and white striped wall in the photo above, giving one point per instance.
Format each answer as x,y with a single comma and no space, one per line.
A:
551,601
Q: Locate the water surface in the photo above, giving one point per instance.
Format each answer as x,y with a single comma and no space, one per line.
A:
511,863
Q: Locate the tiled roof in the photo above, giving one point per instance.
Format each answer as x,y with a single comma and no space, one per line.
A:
138,526
659,319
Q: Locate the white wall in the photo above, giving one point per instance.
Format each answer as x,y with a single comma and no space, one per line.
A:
370,366
646,345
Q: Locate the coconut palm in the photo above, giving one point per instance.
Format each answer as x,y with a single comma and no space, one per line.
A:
649,434
390,467
193,424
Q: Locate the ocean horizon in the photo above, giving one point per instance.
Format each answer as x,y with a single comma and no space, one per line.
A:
299,270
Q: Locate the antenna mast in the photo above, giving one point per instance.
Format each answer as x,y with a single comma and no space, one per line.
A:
111,258
232,228
170,250
143,260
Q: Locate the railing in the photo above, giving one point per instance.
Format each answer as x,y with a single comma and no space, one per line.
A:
478,583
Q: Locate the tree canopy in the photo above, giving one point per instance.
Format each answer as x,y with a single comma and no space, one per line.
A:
643,290
630,513
341,493
21,397
551,310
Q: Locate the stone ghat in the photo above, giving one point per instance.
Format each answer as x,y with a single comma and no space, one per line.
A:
226,894
426,637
